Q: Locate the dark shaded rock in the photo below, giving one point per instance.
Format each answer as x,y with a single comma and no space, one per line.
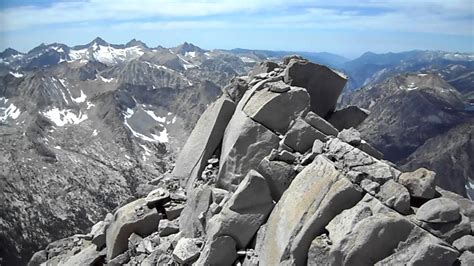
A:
348,117
323,84
278,175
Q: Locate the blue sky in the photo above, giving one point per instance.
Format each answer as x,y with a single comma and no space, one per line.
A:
348,28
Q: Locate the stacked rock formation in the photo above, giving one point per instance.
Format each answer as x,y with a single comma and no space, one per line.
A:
272,175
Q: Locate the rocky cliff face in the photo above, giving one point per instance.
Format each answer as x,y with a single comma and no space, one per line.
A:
272,174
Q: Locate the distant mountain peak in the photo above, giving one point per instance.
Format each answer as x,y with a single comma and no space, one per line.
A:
188,47
135,42
9,52
99,41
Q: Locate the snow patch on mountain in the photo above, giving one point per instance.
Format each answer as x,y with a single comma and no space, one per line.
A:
155,117
62,117
82,98
10,112
16,74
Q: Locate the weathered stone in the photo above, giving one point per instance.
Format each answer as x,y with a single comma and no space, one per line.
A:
301,136
318,253
166,227
236,89
370,150
287,59
370,186
38,258
395,196
358,161
420,183
466,258
120,259
466,206
465,243
187,251
87,256
221,251
371,233
300,214
199,200
276,110
348,117
98,234
284,156
135,217
157,198
173,210
448,231
439,210
279,87
203,141
263,67
318,147
351,136
323,84
278,175
320,124
245,144
244,212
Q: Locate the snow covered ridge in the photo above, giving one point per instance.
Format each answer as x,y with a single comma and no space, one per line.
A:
105,54
10,112
63,117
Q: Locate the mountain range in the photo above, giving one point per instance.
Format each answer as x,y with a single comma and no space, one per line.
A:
88,128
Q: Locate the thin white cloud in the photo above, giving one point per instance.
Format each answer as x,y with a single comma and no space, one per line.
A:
429,16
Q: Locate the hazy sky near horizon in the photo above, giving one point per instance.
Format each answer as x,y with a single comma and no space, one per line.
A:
348,28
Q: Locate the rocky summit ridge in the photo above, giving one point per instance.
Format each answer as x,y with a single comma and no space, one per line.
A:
272,174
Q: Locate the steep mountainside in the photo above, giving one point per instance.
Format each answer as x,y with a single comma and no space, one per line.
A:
405,112
371,68
83,127
451,155
265,179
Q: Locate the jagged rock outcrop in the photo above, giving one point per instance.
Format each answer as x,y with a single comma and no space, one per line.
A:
288,190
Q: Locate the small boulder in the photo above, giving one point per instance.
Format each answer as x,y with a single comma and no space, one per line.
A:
439,210
321,124
465,243
351,136
167,227
348,117
278,175
157,198
220,252
301,136
466,258
187,251
278,86
263,67
135,217
395,196
420,183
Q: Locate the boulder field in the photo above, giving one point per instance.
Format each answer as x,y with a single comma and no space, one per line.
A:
272,174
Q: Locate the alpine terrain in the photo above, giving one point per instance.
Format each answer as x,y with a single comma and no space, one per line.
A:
273,174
